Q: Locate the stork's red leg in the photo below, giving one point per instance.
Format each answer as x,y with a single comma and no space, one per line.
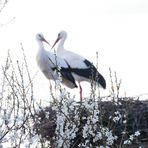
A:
80,92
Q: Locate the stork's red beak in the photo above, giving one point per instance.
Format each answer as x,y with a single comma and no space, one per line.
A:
43,39
55,42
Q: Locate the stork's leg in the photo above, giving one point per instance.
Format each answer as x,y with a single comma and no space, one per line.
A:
80,92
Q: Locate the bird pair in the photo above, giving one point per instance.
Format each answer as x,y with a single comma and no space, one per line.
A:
71,66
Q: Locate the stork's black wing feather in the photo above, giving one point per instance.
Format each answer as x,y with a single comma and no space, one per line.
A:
66,74
90,73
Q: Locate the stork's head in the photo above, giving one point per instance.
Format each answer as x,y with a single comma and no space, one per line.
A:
40,37
61,35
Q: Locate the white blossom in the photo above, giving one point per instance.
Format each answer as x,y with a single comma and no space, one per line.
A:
127,142
137,133
124,121
131,137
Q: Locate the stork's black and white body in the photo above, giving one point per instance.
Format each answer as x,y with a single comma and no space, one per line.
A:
81,68
50,64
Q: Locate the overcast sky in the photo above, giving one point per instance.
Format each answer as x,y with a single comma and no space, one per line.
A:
117,30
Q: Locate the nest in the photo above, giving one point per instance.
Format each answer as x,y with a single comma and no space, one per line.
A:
136,117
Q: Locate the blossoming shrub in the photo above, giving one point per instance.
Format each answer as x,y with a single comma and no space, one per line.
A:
65,122
93,122
87,124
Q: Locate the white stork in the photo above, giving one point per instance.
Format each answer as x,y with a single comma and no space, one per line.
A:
50,64
81,68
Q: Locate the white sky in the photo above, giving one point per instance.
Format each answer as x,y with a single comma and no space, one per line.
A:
117,29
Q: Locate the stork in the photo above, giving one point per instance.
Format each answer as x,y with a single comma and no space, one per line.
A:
50,64
81,68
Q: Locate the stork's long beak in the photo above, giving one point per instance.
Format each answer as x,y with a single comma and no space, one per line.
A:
55,42
43,39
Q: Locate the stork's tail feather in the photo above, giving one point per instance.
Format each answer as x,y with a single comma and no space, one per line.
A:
96,76
101,81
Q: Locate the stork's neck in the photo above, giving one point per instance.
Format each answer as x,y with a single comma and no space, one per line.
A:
61,45
41,45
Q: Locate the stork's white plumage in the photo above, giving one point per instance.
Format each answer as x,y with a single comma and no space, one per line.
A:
50,64
81,68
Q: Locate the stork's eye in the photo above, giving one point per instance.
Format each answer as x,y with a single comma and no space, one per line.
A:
59,35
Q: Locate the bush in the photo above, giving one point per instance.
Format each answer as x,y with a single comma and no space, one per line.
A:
66,123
